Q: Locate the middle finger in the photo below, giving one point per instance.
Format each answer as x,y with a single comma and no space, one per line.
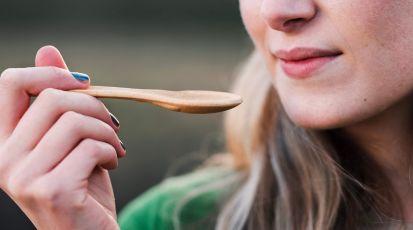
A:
63,137
46,110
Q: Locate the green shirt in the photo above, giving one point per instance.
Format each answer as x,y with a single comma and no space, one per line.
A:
156,209
190,201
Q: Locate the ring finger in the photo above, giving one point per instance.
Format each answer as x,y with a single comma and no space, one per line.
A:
63,137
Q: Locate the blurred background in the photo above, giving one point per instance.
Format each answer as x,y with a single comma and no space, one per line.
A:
177,45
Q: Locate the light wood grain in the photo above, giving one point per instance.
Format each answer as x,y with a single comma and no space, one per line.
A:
187,101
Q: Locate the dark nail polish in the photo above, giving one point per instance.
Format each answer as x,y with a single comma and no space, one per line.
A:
123,146
114,120
80,76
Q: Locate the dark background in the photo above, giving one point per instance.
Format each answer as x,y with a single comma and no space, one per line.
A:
183,44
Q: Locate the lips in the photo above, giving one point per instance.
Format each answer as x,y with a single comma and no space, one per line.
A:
302,62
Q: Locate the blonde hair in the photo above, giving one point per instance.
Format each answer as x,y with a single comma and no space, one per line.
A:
295,178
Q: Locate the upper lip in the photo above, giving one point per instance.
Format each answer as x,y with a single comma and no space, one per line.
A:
301,53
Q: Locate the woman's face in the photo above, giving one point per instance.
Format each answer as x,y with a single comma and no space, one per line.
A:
374,71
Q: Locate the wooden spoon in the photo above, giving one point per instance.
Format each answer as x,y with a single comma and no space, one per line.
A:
187,101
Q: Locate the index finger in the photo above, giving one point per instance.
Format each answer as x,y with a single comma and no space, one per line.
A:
18,84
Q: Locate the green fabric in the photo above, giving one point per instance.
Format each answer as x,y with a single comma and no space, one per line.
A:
156,208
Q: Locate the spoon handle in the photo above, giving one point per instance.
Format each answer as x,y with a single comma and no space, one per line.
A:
143,95
189,101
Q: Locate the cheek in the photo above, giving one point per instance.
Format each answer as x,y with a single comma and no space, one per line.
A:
376,33
380,40
257,29
376,73
254,24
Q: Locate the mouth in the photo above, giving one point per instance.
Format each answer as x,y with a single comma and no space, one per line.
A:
301,63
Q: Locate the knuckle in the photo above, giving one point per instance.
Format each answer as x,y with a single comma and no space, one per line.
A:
7,72
46,194
78,204
57,72
108,129
54,196
50,95
96,149
110,150
73,120
8,75
92,102
91,146
72,116
87,98
17,186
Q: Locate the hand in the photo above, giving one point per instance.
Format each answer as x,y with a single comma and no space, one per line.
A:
55,153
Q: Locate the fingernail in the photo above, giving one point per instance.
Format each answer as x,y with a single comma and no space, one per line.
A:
80,76
114,119
123,146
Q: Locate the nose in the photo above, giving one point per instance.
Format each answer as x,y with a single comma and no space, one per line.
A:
287,15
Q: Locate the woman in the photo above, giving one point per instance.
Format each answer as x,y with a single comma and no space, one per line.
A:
322,140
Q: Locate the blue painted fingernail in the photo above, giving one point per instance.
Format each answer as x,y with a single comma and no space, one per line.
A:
80,76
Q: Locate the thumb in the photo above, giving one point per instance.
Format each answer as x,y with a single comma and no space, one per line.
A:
50,56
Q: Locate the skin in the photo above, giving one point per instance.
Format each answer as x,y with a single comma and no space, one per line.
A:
366,91
55,153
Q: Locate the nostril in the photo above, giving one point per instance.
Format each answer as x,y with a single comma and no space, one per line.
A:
294,22
286,15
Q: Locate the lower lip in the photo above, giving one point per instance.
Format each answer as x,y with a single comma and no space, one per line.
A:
304,68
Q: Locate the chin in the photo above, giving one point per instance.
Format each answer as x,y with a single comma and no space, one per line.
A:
320,119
